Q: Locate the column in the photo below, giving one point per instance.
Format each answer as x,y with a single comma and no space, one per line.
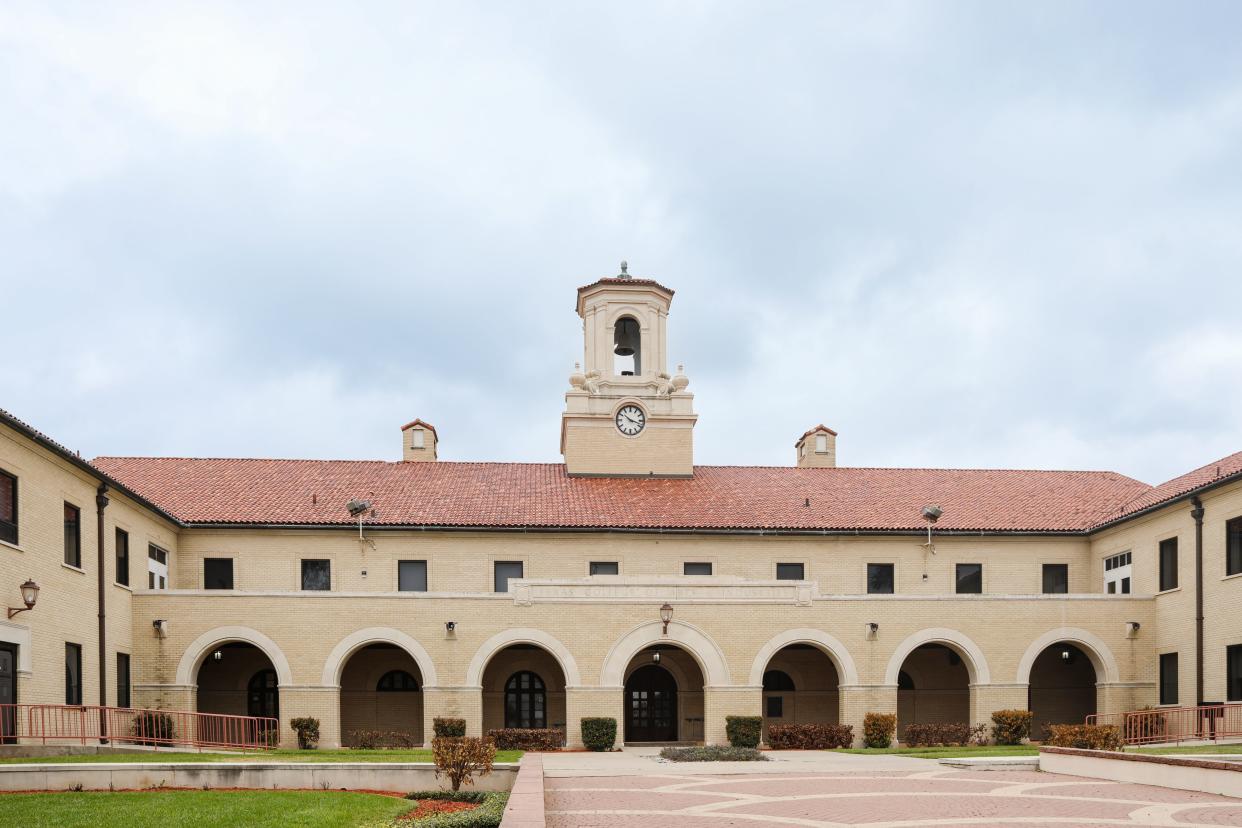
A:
592,702
318,702
986,698
719,702
857,700
452,703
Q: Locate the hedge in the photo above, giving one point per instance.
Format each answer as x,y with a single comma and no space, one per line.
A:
490,812
712,753
743,731
599,734
1011,727
448,727
373,739
1087,737
810,736
878,729
527,738
944,734
307,729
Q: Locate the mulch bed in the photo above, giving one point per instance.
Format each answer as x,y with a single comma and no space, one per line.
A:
393,794
428,807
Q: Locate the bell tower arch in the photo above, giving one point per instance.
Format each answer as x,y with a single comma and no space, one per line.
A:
625,415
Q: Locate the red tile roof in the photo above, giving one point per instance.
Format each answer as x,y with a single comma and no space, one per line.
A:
809,432
1222,469
314,492
417,422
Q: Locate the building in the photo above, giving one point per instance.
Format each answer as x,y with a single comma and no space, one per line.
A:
378,595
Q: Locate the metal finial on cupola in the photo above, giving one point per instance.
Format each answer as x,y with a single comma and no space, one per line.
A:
625,270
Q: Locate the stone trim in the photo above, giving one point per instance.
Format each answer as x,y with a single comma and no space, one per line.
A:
690,638
187,668
522,635
972,655
1106,670
355,641
645,589
837,652
19,634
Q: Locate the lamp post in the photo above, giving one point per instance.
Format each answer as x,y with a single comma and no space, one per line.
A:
30,594
666,615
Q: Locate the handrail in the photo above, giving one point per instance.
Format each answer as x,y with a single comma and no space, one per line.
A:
86,724
1175,724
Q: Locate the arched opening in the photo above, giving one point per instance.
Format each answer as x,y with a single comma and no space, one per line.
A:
237,678
933,687
523,686
800,686
663,696
1062,687
381,692
627,347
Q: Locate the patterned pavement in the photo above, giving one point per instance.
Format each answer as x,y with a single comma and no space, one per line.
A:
878,799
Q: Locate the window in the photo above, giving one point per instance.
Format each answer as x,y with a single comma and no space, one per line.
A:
525,701
122,679
1233,544
504,572
880,579
696,568
396,681
1117,570
122,557
157,568
416,438
317,574
821,443
969,579
8,508
1233,672
1168,564
605,568
73,535
263,695
412,576
1168,678
1056,579
777,681
790,572
217,573
73,673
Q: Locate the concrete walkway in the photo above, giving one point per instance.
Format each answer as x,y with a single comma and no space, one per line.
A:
641,761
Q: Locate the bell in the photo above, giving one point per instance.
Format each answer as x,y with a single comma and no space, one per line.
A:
626,337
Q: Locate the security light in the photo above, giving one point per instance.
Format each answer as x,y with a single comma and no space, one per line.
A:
932,513
666,615
655,657
450,626
872,629
357,507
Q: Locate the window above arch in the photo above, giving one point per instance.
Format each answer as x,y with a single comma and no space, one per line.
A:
777,681
396,681
627,347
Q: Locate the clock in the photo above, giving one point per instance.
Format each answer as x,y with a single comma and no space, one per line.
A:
630,420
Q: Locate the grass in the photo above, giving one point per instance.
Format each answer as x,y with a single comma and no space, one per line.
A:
1234,748
950,752
211,809
343,755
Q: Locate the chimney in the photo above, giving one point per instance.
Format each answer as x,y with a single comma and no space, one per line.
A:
418,442
817,449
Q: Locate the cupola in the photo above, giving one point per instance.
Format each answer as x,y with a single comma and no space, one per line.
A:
418,442
817,448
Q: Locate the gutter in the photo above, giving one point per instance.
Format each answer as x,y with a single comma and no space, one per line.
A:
641,530
1197,514
101,503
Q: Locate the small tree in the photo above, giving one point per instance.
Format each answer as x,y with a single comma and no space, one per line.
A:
878,729
308,732
1010,727
460,758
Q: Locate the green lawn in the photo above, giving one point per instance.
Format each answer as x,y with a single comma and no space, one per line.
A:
225,809
1235,748
950,752
268,756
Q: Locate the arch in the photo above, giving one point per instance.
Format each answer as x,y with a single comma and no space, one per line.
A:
831,647
192,658
972,656
493,645
694,641
355,641
1106,670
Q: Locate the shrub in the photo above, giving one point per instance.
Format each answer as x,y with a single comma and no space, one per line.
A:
599,734
448,727
449,796
527,738
743,731
944,734
401,739
365,739
1147,727
153,728
810,736
1087,737
308,732
488,814
878,729
1011,727
712,753
460,758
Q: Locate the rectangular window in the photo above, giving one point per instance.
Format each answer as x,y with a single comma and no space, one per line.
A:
122,557
880,579
1168,564
317,575
505,571
8,508
790,572
73,535
412,576
1117,571
122,679
1056,579
605,568
73,673
969,579
696,568
217,573
1233,672
776,707
157,567
1168,678
1233,546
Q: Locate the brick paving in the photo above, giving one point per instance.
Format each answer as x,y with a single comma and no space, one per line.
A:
943,798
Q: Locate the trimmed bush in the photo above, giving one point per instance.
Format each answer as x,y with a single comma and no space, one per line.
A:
599,734
153,728
460,758
449,796
810,736
712,753
307,729
944,734
1011,727
1087,737
743,731
527,738
488,815
878,729
448,727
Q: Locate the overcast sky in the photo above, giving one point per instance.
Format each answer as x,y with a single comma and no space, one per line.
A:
961,234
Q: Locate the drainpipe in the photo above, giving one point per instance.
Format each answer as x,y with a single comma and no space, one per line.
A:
101,503
1197,514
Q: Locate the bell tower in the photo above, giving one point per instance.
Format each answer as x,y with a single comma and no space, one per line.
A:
625,415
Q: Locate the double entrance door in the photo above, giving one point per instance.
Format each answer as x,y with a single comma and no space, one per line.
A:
651,705
8,693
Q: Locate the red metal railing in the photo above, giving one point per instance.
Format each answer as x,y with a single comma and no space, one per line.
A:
1175,724
44,723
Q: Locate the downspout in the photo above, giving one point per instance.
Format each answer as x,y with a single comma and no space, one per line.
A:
101,503
1197,514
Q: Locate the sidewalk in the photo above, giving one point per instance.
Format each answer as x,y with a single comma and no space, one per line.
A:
643,761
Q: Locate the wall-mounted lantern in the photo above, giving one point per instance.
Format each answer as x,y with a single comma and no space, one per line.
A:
655,657
217,655
30,594
666,615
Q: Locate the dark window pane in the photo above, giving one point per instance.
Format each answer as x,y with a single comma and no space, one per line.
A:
696,568
525,701
1233,554
1056,578
122,680
504,571
880,579
776,707
122,557
1125,586
1168,564
396,681
317,574
8,508
605,568
73,674
73,535
969,578
1112,587
412,576
156,554
778,680
790,572
1168,678
217,573
1233,675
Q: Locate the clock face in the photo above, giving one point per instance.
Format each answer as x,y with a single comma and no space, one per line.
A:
630,420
